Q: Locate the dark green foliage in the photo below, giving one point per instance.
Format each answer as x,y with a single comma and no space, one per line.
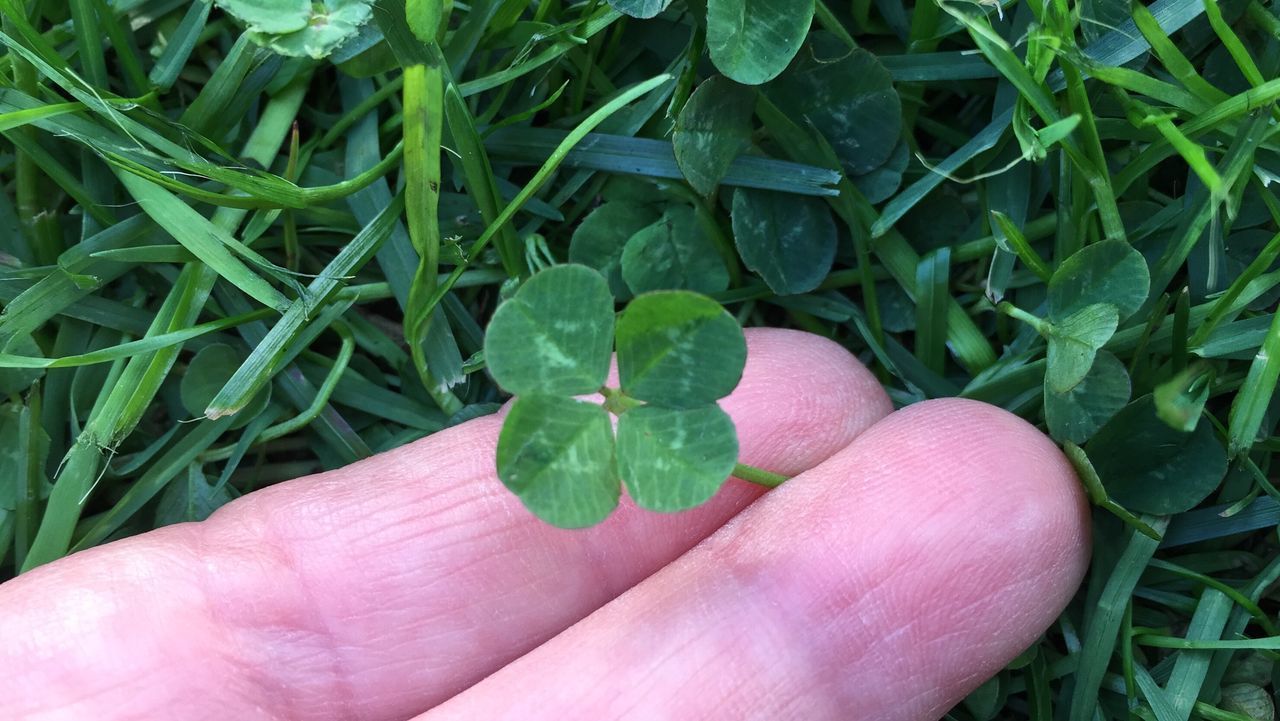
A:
211,280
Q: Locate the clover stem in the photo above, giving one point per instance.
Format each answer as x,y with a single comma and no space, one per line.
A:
1014,311
758,476
617,402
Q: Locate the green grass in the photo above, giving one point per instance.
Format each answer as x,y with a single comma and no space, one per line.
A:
222,267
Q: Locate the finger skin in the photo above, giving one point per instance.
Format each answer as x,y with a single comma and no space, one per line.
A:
884,584
383,588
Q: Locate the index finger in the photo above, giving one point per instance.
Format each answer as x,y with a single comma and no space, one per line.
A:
381,589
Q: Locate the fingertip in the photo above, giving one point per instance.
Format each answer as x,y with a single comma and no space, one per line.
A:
802,398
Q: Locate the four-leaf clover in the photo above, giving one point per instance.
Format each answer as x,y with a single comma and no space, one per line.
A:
678,353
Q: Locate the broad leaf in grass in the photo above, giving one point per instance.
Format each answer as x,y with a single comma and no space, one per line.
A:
300,28
713,127
672,460
1078,413
640,8
557,455
881,183
790,241
679,349
554,335
1109,271
207,373
424,17
17,380
673,253
1147,466
269,16
599,239
191,498
752,41
846,95
1073,343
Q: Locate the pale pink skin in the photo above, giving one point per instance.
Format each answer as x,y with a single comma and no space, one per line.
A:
885,581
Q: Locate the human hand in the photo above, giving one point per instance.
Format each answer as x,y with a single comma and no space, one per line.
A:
905,564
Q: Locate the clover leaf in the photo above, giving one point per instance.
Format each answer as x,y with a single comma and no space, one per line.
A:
789,240
752,41
557,455
1075,415
1109,271
673,459
1073,343
300,28
678,353
679,349
673,252
554,336
1150,467
712,128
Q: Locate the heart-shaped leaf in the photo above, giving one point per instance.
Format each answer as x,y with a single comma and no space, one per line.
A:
554,335
299,28
1077,414
1109,271
713,127
846,95
789,240
880,184
1073,343
599,239
1149,467
207,373
556,454
679,349
673,253
671,460
752,41
640,8
269,16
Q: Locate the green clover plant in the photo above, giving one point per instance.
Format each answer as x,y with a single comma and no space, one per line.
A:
1089,295
300,28
678,353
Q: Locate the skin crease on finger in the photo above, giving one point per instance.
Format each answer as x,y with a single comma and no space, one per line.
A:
884,584
381,589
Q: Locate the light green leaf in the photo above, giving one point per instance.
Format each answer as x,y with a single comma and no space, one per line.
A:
846,95
673,253
599,240
671,460
554,335
1078,413
269,16
1073,343
1180,400
300,28
714,126
679,349
640,8
556,454
424,18
1147,466
790,241
1109,271
752,41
